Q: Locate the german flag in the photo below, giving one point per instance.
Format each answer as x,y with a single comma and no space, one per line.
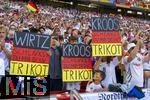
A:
32,6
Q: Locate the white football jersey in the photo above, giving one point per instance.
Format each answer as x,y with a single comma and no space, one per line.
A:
92,87
3,56
73,85
109,70
134,70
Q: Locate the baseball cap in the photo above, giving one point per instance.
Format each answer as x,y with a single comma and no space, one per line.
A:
130,45
29,23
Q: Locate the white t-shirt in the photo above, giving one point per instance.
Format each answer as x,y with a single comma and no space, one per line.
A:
92,87
48,32
147,80
2,68
4,57
134,70
73,85
109,70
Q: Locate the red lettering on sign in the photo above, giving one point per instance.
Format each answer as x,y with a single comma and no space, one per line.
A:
77,63
30,55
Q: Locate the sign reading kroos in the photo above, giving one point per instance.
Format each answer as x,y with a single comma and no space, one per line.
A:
70,50
76,63
29,56
106,38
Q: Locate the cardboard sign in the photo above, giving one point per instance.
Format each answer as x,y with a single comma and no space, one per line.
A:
28,69
106,37
76,62
76,50
35,41
29,55
105,24
107,49
106,40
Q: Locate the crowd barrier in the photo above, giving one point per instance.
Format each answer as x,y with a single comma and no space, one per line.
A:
106,96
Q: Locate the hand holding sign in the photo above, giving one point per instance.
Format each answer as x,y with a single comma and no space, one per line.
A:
76,62
29,56
57,43
49,52
106,40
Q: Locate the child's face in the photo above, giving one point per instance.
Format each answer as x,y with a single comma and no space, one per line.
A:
97,77
2,34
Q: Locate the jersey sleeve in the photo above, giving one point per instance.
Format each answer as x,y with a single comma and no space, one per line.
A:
125,60
88,87
115,61
101,67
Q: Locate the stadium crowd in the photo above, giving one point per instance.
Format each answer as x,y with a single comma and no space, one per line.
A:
73,26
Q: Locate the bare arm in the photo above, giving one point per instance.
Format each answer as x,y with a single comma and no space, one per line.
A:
96,66
49,53
147,74
6,51
133,53
147,57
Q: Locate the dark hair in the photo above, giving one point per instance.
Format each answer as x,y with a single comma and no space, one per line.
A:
79,33
60,37
42,28
134,41
103,75
109,58
33,30
66,33
72,38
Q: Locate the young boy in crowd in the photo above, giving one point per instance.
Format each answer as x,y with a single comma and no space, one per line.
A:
96,85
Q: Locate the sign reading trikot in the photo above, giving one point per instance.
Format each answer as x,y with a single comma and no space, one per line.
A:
29,55
77,62
106,40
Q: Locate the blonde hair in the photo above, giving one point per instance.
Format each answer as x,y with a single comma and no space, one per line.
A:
4,28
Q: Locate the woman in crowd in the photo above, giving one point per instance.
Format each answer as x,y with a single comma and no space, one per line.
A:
5,48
